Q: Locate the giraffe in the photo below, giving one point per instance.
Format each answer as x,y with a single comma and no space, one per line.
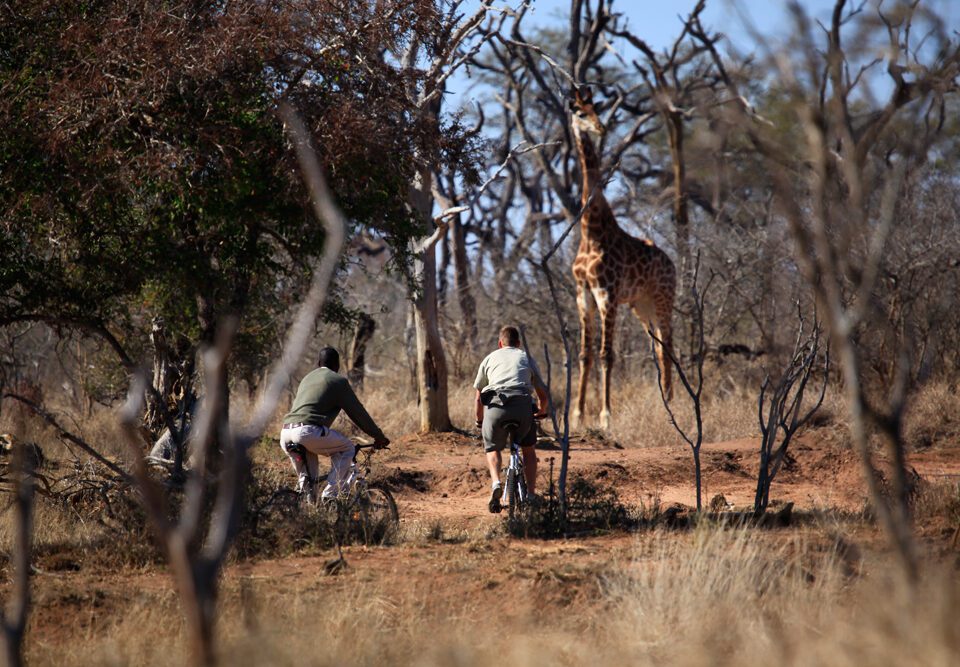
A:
613,268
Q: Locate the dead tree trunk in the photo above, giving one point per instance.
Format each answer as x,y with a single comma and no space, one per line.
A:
18,605
461,272
431,358
681,217
362,334
164,377
456,238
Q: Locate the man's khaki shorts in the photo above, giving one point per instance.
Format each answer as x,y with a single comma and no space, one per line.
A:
516,408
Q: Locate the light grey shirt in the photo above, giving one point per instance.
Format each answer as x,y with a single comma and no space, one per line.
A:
505,369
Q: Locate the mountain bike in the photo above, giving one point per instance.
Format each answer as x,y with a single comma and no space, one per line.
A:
516,489
363,510
367,507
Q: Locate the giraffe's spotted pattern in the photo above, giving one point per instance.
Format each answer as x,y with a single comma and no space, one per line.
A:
613,268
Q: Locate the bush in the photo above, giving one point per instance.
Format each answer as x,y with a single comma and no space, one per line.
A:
591,509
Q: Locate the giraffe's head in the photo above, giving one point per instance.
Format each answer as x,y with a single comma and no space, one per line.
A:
585,117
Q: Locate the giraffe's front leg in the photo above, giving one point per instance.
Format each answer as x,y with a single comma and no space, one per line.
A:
607,306
587,309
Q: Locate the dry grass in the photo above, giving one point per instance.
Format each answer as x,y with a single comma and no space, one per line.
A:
53,529
938,500
729,413
736,598
639,418
720,597
933,416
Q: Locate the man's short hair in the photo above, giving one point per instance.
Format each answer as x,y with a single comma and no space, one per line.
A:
510,336
330,358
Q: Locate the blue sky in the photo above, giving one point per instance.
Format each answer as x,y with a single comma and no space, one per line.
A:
658,21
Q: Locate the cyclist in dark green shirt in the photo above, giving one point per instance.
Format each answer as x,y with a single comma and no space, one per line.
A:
306,432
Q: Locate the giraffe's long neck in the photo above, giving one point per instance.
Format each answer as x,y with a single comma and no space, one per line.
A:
592,220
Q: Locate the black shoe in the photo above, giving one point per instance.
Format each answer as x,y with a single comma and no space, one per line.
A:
495,496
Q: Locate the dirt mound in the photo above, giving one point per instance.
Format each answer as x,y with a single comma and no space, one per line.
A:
436,442
726,461
612,472
399,480
473,480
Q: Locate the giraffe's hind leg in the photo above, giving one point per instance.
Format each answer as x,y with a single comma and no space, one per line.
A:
587,308
607,305
664,331
655,319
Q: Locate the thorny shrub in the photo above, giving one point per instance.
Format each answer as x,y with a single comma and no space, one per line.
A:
591,509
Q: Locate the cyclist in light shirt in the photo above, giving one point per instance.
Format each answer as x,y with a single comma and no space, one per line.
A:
505,387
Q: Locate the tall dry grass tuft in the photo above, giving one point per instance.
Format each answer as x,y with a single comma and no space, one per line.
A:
729,413
737,597
933,416
639,418
720,594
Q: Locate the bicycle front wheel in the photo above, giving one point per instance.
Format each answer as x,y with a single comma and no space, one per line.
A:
379,519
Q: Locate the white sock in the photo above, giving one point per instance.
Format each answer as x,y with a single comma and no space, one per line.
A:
496,484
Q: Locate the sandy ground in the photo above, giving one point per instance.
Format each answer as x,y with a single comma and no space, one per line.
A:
445,476
442,479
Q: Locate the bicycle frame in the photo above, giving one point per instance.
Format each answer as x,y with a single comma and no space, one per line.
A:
516,480
371,506
356,482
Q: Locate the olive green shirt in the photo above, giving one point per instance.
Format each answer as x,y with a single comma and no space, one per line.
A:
320,397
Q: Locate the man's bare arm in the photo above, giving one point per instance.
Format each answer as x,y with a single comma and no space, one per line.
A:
543,401
479,408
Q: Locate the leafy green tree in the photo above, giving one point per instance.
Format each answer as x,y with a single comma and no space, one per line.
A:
145,172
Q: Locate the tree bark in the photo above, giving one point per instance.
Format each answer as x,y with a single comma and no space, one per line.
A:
457,249
442,273
362,335
164,377
208,332
681,216
431,359
461,267
15,614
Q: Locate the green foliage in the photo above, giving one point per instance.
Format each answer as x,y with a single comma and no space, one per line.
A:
145,172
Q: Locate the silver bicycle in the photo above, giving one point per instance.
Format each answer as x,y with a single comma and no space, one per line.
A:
363,510
516,488
367,505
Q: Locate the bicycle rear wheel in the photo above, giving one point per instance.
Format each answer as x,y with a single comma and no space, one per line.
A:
379,518
513,488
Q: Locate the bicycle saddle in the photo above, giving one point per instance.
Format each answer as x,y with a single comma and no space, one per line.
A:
509,423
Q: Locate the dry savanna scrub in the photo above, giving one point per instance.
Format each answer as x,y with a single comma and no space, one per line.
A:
711,596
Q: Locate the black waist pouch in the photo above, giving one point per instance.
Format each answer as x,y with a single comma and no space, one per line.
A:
503,398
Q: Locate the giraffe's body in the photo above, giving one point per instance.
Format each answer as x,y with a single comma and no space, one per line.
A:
614,268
